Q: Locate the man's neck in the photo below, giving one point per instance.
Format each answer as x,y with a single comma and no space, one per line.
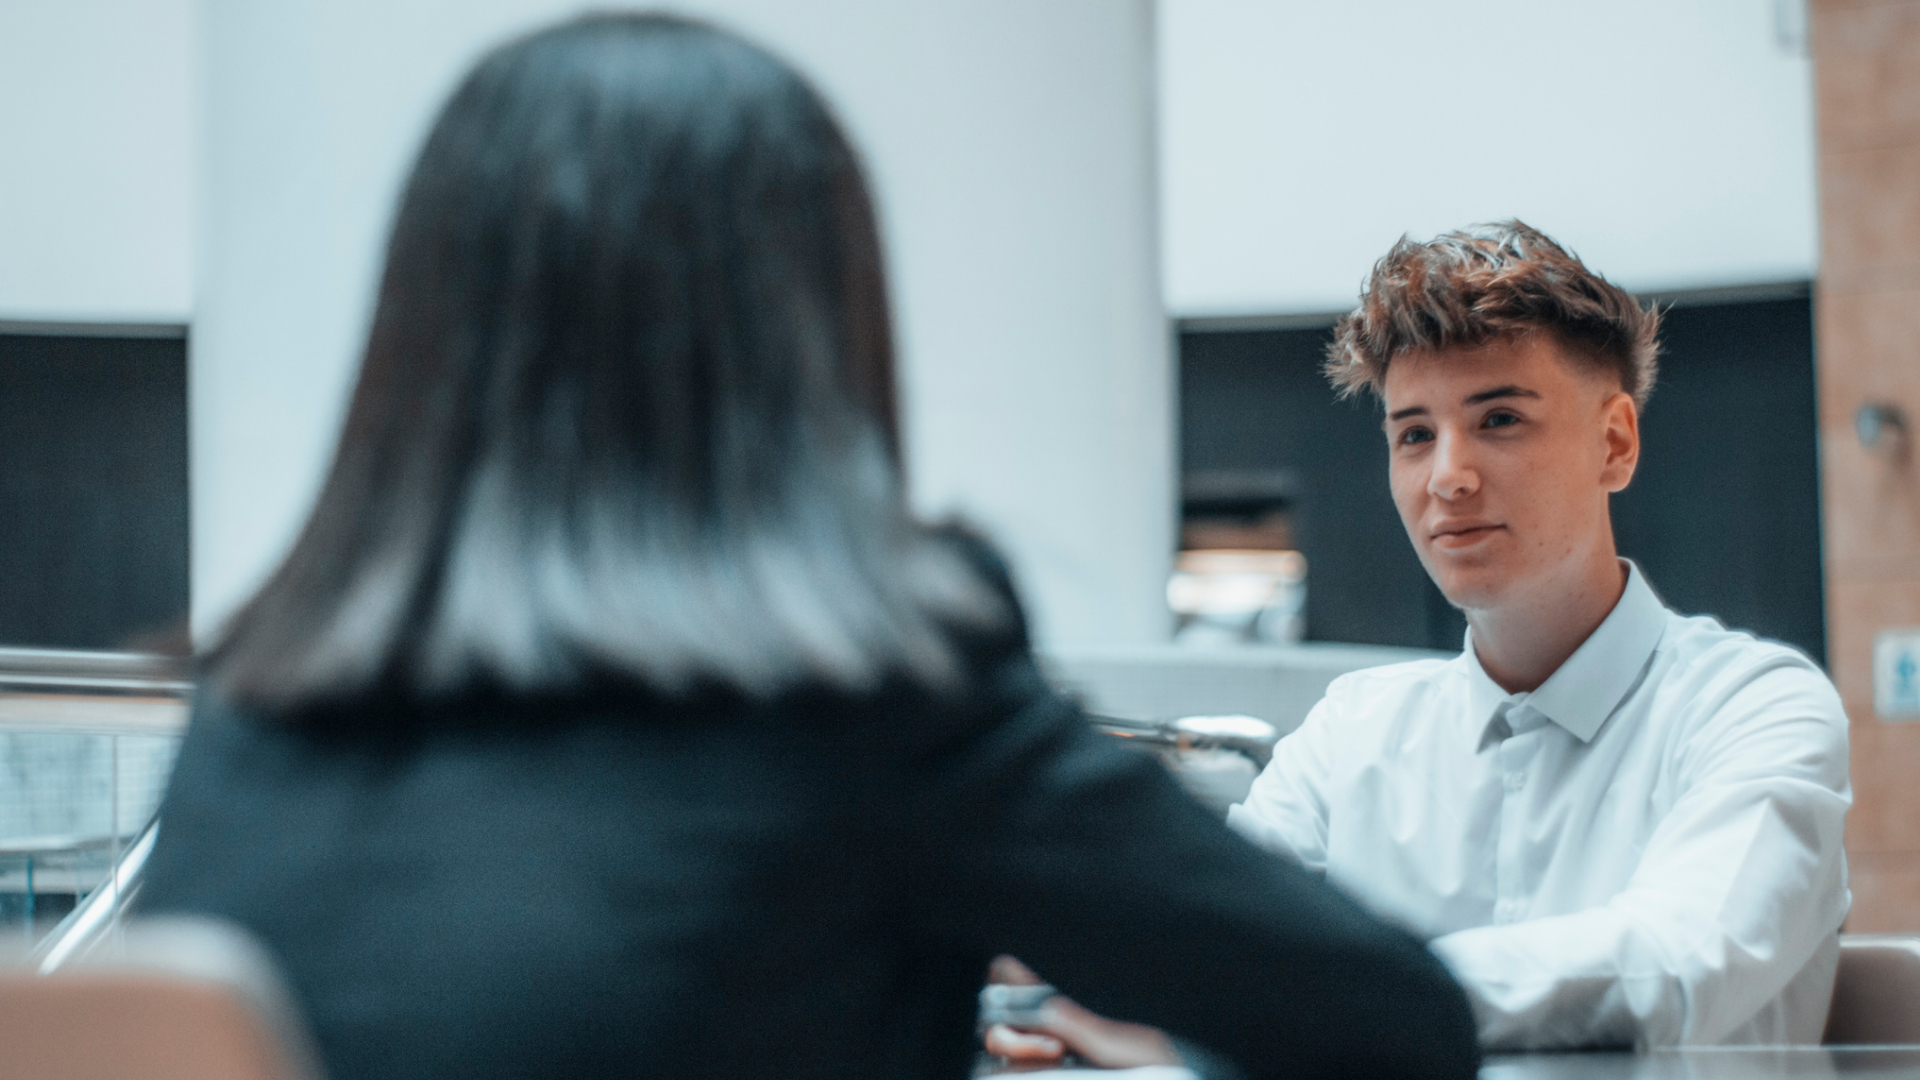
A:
1520,645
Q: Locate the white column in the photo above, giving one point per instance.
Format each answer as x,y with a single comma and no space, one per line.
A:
96,161
1011,143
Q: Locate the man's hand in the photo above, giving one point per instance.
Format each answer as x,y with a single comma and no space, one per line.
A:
1065,1027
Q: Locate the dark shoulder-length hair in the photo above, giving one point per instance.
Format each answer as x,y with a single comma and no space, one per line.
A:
626,408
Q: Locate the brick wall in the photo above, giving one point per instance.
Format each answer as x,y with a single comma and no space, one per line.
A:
1867,83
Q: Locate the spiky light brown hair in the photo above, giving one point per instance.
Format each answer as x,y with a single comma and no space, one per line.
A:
1491,283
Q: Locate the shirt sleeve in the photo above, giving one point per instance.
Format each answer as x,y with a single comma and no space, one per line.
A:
1087,861
1740,884
1286,809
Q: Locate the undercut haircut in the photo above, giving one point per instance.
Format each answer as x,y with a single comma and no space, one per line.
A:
1489,283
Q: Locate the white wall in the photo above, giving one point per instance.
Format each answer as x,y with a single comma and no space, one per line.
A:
96,156
1011,145
1670,142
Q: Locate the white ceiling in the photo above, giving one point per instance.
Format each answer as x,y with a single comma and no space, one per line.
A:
1670,142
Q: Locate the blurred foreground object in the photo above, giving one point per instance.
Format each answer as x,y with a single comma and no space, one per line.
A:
167,999
1028,1024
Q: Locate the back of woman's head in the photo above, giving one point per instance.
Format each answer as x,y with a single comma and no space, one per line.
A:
626,408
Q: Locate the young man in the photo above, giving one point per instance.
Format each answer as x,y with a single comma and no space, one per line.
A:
1615,824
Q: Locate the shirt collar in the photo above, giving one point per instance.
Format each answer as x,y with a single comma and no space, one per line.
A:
1590,685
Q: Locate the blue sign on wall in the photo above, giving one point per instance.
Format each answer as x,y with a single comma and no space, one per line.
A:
1896,674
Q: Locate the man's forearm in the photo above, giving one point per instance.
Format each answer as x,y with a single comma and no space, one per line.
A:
1572,981
1644,971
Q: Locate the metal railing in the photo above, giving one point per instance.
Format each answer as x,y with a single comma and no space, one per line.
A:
86,747
93,917
94,690
78,671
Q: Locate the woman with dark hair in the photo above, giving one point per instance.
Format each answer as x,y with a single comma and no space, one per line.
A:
612,714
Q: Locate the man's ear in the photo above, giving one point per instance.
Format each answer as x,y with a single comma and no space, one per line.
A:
1622,421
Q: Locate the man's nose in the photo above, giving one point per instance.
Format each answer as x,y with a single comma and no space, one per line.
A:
1454,476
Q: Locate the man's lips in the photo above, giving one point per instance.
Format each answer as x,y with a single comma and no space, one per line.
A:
1463,535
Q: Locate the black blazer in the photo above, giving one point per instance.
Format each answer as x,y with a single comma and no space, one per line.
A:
616,885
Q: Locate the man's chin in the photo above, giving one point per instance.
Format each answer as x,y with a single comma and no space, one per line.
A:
1471,591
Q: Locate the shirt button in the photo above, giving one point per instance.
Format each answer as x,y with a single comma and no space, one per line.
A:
1504,911
1516,781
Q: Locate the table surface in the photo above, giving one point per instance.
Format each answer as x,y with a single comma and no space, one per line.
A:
1703,1063
1732,1063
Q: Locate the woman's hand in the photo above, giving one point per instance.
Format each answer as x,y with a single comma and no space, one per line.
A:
1065,1027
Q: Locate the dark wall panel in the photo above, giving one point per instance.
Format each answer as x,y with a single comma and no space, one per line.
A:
93,489
1725,511
1724,514
1255,400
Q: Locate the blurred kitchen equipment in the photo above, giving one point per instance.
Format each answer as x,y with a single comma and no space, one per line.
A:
1227,597
1249,736
1276,683
1215,758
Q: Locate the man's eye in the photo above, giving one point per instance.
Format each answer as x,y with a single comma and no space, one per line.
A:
1414,436
1500,419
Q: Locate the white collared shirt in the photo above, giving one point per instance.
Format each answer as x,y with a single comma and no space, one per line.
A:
1645,850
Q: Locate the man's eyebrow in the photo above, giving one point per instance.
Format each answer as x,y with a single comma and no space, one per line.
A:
1500,392
1480,398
